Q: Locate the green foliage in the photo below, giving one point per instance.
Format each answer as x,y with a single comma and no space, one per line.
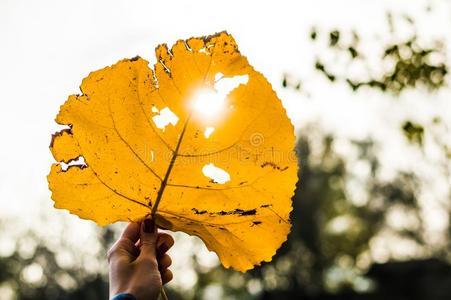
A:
334,38
413,67
413,132
289,81
413,64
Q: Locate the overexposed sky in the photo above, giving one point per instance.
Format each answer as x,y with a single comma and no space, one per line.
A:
47,48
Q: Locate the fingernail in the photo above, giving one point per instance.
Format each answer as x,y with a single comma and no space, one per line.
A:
149,226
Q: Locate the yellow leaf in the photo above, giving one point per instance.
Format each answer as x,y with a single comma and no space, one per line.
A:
202,140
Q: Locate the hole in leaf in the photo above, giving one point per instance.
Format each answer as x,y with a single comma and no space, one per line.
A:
208,131
216,174
165,118
165,68
79,161
225,85
209,102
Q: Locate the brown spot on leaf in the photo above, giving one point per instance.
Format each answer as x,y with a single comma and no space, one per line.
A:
266,205
237,211
198,212
273,165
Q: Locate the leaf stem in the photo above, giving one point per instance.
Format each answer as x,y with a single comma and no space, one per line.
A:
168,171
163,294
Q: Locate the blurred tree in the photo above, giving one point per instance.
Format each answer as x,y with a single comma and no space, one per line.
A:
339,216
327,252
413,132
412,63
40,275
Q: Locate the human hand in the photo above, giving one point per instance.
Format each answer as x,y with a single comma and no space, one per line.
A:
138,263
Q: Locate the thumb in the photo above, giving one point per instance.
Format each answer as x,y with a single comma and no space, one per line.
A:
148,240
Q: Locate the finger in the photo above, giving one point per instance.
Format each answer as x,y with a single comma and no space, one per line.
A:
164,262
164,243
124,250
166,276
131,232
148,241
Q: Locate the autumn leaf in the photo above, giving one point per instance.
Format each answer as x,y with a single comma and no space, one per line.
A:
201,140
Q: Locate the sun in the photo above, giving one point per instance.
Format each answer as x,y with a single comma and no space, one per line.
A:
210,102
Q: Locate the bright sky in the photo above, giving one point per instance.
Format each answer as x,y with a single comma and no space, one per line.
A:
47,48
